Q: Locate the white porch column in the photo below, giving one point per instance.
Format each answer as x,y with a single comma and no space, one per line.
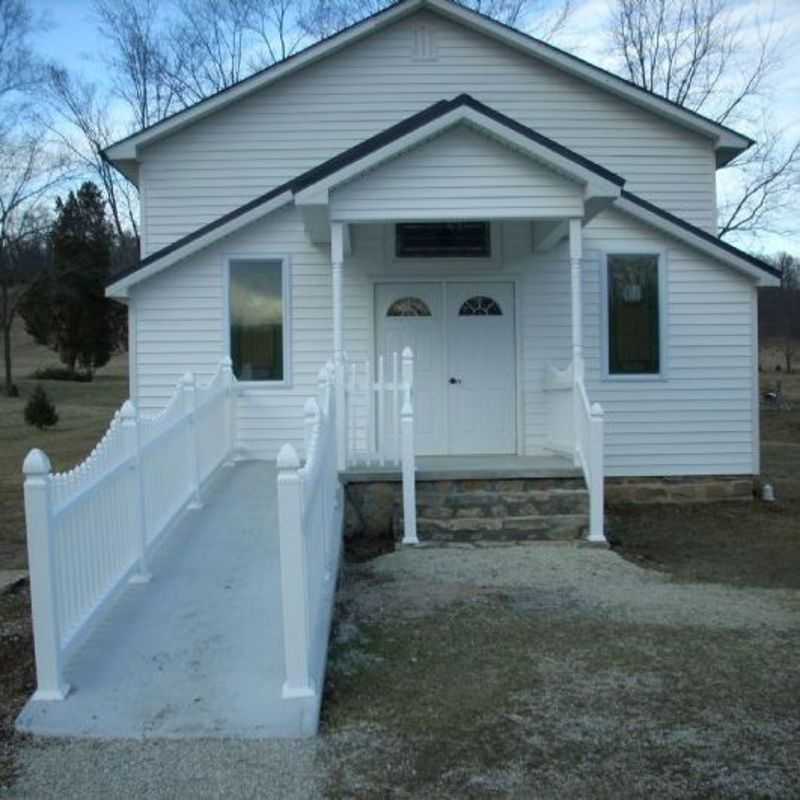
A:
575,255
337,260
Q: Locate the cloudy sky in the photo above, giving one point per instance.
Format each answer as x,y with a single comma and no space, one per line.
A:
72,40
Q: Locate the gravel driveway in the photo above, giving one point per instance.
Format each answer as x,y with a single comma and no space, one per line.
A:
540,670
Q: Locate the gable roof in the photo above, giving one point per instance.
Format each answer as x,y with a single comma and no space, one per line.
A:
383,146
728,143
424,124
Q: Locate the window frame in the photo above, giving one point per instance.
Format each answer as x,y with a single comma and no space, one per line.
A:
481,257
662,269
444,265
285,262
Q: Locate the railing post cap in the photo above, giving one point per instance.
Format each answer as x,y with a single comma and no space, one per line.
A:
324,372
188,379
36,463
227,363
597,410
311,408
408,352
287,458
128,410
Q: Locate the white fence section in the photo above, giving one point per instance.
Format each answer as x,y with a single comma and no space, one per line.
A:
92,528
310,505
379,423
558,388
310,513
576,428
374,401
589,433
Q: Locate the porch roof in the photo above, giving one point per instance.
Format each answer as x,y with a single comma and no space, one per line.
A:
310,189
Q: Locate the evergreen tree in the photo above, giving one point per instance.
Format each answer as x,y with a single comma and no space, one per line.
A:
39,410
68,310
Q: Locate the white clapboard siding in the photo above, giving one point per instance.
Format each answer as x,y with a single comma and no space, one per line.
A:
461,173
229,158
697,421
178,330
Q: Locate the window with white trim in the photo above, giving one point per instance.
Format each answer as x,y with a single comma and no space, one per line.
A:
257,319
634,314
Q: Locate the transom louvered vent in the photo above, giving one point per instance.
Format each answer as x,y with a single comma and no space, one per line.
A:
424,44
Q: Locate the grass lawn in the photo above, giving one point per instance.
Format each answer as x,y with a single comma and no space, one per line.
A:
84,409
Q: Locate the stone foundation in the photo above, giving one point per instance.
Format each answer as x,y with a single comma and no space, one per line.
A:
515,508
679,489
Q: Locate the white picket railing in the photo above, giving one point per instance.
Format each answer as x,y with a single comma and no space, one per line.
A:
93,527
379,423
374,401
310,506
576,428
589,433
310,522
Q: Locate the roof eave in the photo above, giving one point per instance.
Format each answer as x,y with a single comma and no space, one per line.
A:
762,274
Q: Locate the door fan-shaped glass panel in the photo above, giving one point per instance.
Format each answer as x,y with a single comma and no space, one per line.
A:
409,307
480,306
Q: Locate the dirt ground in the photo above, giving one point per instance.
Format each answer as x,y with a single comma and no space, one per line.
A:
547,671
17,680
84,409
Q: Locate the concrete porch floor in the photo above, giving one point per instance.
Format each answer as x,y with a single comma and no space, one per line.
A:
441,468
198,651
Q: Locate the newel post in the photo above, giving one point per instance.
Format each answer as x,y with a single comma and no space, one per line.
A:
229,382
189,408
132,437
294,588
407,450
597,475
41,556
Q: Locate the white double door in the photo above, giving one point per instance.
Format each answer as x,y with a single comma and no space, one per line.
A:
463,339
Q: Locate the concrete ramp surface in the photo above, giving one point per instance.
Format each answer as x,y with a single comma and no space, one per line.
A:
198,651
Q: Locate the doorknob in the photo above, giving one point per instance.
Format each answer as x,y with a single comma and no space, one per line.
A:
454,381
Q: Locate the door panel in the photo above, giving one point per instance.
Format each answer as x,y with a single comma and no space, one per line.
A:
481,359
410,315
463,339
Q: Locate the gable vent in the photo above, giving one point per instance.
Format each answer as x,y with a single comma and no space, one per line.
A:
424,44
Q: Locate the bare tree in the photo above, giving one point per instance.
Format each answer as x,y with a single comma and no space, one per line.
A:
28,172
766,191
138,58
84,126
18,66
788,307
696,54
322,18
